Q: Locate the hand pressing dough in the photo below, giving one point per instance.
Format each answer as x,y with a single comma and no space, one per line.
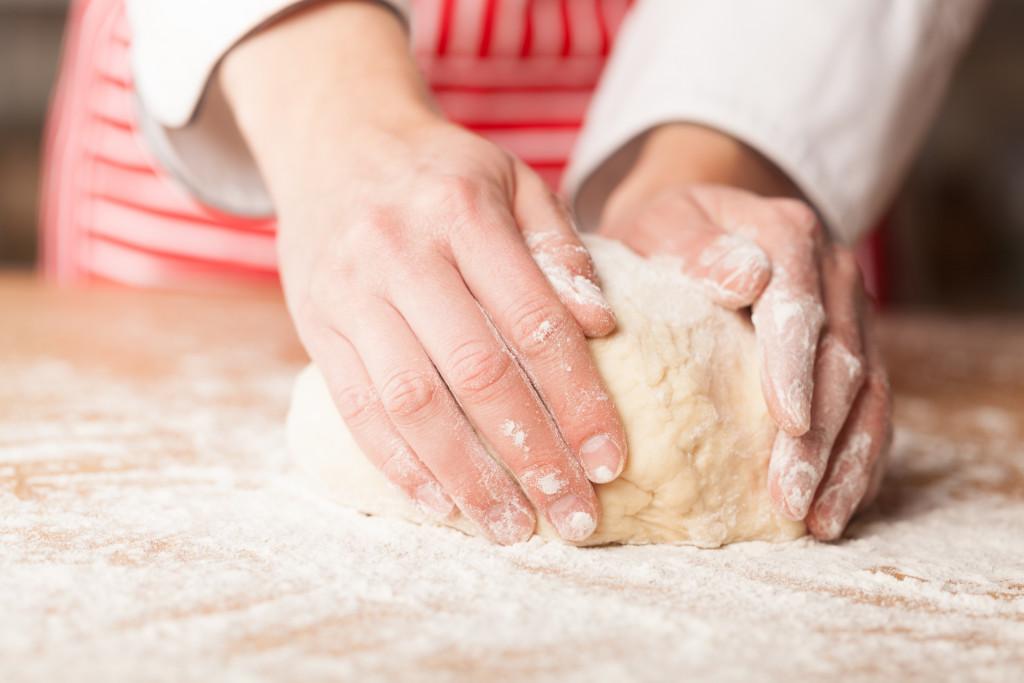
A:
683,374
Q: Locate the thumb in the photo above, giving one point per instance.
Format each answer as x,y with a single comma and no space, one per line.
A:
550,235
733,270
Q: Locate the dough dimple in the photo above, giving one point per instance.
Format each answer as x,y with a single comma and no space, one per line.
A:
683,374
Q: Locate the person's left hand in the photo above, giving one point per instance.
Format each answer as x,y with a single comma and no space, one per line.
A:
821,368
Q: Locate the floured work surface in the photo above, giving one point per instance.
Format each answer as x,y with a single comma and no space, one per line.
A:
146,531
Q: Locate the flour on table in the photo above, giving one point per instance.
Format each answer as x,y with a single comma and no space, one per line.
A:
683,374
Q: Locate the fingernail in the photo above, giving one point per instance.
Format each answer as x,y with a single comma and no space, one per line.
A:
432,501
798,492
573,519
832,512
797,478
841,496
602,458
797,404
797,503
830,527
509,523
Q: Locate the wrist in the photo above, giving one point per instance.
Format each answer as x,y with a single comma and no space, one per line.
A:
319,81
677,154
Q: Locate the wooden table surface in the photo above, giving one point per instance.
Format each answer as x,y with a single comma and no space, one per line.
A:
150,529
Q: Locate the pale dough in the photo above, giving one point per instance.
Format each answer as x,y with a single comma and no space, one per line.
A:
683,374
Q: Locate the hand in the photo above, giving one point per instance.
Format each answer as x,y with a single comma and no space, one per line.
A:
436,281
821,370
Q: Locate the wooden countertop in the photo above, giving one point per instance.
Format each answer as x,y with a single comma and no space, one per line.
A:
149,529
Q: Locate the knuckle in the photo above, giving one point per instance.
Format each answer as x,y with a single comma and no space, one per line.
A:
846,266
380,218
563,251
341,265
459,194
538,326
355,403
408,394
400,466
477,366
379,229
877,386
849,361
577,260
799,215
812,312
458,188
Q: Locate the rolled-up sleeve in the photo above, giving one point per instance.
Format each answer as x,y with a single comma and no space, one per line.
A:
837,94
176,48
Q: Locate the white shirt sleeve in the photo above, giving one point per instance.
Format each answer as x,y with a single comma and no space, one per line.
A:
838,94
176,48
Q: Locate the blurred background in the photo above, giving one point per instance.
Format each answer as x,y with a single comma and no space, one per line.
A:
955,237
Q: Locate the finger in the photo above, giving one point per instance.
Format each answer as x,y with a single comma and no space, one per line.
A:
360,407
878,471
798,463
733,270
497,396
551,348
730,267
426,415
857,464
548,230
789,317
852,470
878,378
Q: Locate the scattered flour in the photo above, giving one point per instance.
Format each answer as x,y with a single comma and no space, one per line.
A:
514,431
551,483
147,532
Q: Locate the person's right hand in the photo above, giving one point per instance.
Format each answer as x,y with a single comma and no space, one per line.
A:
435,280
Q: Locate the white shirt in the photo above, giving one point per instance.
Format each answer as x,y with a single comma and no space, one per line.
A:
837,93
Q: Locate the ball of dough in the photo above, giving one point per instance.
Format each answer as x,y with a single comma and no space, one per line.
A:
683,374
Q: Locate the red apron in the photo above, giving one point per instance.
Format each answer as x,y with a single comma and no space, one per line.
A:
519,72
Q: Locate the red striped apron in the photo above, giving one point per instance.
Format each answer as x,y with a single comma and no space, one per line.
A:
519,72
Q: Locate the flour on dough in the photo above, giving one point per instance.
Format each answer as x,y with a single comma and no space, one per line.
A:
683,374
